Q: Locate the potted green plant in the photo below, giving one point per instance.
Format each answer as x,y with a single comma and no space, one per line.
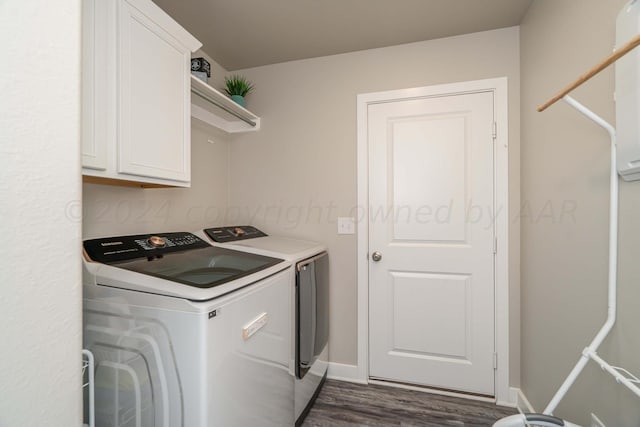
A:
237,87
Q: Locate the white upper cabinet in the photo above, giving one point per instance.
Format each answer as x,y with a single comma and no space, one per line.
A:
136,94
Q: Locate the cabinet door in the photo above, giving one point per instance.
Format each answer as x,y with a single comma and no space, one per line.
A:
96,79
153,99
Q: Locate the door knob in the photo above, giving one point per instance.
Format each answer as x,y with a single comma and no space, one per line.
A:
376,256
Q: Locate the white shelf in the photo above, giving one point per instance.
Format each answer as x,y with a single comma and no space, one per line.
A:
211,106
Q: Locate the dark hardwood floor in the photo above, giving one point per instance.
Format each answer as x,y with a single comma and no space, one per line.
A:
347,404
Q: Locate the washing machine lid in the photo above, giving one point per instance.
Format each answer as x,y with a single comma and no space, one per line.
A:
255,241
181,258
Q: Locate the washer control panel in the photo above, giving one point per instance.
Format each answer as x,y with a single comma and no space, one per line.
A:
233,233
123,248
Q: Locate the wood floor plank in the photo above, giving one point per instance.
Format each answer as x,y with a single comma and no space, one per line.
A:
342,404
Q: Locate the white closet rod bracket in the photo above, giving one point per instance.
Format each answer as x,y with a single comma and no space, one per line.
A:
593,117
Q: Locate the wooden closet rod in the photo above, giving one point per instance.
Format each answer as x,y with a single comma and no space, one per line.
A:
593,71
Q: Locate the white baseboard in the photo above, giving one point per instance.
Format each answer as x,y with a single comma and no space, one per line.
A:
342,372
512,401
522,403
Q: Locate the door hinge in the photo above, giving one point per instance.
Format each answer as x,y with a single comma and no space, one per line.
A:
495,360
495,245
495,130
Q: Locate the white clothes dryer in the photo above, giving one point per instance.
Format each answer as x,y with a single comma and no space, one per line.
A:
187,334
310,357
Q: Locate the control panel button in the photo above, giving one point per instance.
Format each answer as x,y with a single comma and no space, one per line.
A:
157,241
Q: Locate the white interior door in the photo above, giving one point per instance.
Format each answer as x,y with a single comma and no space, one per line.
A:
431,194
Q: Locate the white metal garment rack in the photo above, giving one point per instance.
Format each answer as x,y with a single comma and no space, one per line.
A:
621,375
88,366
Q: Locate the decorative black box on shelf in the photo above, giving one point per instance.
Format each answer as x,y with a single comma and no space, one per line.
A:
201,68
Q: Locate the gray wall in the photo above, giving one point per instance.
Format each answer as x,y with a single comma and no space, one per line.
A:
298,174
112,210
564,259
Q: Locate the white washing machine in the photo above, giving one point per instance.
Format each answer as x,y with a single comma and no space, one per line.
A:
187,334
311,298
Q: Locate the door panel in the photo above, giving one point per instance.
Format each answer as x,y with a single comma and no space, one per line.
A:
440,161
430,299
154,100
431,295
97,83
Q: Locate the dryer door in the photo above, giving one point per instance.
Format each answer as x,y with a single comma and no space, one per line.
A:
312,311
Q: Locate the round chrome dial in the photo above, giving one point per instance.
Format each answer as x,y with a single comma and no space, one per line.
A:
157,241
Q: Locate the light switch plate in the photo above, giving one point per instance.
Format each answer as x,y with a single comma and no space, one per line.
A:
346,225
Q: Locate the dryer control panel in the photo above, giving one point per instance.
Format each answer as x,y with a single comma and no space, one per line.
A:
233,233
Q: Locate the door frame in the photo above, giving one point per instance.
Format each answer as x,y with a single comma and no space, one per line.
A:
501,186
